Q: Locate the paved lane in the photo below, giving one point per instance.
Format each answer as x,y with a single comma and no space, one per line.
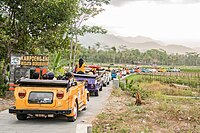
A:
9,123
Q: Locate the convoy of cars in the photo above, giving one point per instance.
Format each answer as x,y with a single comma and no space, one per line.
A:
36,98
47,98
155,70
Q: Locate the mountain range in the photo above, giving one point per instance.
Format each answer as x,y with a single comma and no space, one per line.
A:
139,42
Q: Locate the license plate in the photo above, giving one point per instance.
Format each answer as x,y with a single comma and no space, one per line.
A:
40,98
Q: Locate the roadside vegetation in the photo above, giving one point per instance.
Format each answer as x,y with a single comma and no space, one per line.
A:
167,108
45,27
194,69
122,55
52,28
188,79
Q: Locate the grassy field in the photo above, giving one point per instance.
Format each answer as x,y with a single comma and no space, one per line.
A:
167,109
189,79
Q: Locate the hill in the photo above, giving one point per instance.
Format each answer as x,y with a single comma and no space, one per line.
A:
197,49
138,42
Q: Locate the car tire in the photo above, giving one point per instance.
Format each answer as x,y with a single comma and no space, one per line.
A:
88,97
21,116
85,108
97,93
108,83
104,85
73,118
100,88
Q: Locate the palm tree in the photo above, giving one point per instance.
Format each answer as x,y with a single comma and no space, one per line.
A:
114,53
98,45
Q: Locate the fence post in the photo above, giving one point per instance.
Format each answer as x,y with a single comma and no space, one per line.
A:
116,83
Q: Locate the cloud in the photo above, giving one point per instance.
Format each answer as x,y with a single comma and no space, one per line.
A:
123,2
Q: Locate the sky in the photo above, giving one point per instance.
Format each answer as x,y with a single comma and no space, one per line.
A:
170,21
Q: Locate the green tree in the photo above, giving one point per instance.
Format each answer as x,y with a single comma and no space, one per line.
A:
86,10
28,25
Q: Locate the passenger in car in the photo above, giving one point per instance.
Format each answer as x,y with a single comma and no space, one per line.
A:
35,75
59,77
69,78
50,75
80,67
44,76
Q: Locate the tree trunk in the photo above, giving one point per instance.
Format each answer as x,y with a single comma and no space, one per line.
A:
6,61
71,52
74,59
1,70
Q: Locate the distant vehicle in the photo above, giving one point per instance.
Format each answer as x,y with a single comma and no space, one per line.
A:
108,72
113,74
132,71
173,70
124,73
137,70
176,70
144,70
153,70
119,74
169,70
104,77
127,71
49,97
161,70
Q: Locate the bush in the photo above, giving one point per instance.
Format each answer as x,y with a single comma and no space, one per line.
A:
122,85
136,88
3,89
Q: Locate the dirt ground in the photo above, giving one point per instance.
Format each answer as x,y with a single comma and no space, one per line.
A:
6,102
160,114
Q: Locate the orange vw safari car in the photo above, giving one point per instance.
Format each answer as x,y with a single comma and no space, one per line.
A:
49,98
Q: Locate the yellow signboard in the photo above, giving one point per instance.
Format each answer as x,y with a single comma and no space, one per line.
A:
34,60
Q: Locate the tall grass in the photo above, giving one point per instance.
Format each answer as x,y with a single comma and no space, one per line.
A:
191,80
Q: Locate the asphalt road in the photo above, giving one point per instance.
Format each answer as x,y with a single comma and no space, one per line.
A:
9,123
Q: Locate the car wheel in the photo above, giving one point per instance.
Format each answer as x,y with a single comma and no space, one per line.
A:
100,88
85,108
88,97
75,110
21,116
97,93
108,83
104,85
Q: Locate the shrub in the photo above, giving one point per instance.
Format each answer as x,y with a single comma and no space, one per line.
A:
3,89
122,85
136,88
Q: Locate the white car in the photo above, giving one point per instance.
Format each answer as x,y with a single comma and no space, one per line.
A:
176,70
108,72
104,78
123,72
153,70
